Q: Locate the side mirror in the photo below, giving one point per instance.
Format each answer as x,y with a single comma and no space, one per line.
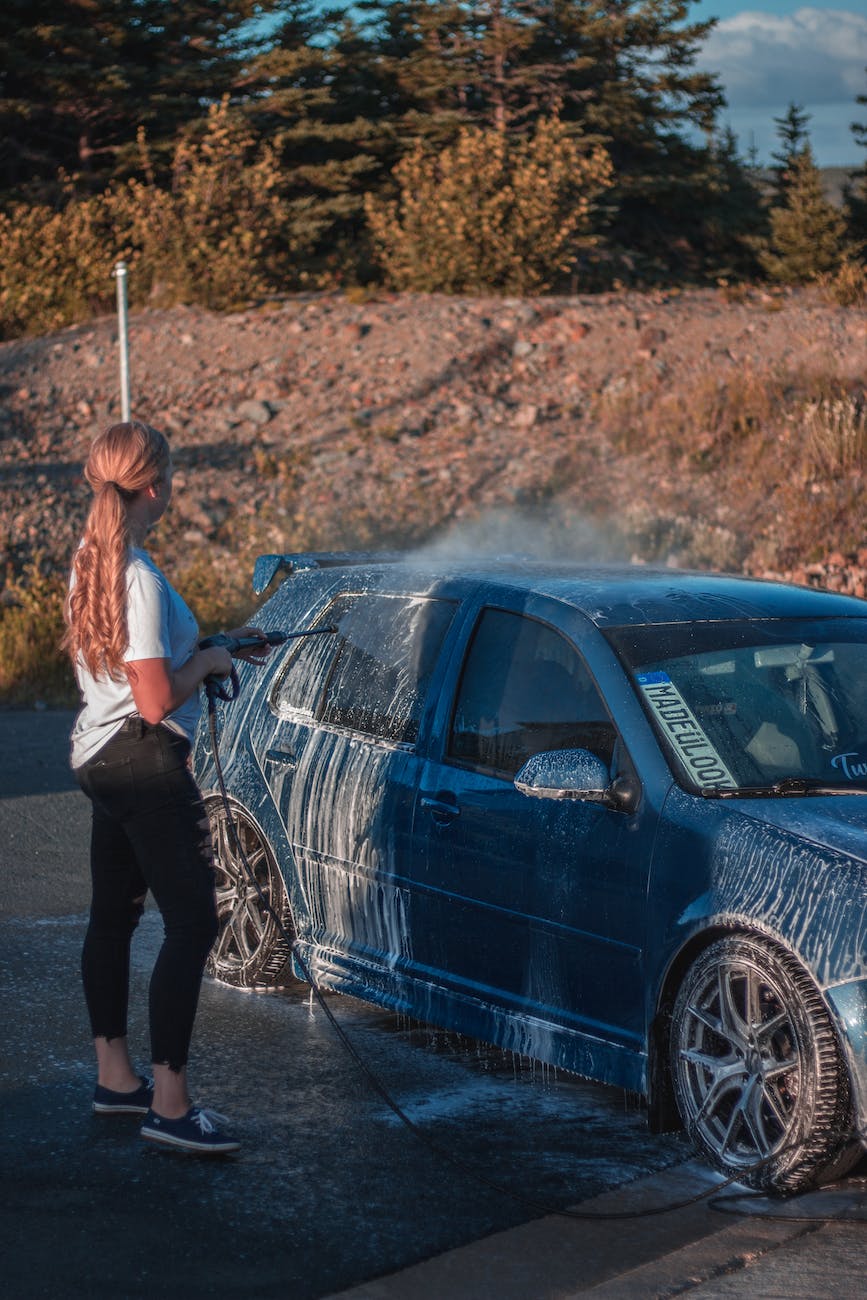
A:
564,774
576,774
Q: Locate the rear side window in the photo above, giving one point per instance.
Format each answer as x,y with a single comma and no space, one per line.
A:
300,685
372,675
524,689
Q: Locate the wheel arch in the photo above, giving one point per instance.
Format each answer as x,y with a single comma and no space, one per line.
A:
267,824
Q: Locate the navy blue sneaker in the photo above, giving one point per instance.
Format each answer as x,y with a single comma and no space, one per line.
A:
199,1130
138,1102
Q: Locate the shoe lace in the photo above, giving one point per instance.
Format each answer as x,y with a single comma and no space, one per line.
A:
207,1121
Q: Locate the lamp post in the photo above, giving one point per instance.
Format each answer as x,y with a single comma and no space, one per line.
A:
122,338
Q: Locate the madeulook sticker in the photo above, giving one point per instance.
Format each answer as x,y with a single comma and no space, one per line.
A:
688,738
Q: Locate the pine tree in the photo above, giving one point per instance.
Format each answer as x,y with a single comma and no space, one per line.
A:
622,75
454,64
320,95
807,232
78,77
734,222
793,136
855,196
637,90
513,74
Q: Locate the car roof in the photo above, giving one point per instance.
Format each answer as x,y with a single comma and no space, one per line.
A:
610,595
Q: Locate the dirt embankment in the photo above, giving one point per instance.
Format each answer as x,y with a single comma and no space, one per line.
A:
661,426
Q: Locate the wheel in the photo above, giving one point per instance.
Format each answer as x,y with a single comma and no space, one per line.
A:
250,950
758,1076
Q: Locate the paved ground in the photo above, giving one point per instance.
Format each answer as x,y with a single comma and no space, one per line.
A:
331,1196
697,1251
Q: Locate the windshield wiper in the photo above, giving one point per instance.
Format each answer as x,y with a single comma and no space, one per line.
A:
790,786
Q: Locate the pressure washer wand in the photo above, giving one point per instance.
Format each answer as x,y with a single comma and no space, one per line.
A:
236,644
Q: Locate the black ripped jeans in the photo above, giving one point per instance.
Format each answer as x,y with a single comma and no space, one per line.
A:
149,833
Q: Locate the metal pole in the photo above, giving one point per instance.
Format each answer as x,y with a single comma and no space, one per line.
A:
123,339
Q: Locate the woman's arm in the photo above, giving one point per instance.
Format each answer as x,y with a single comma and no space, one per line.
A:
158,691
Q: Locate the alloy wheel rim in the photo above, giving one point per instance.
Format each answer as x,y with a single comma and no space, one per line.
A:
241,913
741,1064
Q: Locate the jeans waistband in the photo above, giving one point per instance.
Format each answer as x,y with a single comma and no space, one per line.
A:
135,725
126,741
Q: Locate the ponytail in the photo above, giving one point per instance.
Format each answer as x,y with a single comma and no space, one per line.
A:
123,461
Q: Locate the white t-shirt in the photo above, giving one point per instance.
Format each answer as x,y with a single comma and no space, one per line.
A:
160,627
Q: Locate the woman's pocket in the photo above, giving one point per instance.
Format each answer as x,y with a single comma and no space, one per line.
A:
167,779
111,786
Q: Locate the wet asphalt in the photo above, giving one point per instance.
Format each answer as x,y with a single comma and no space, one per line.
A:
330,1189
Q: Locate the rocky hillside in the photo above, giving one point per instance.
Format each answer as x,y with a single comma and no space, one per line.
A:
687,428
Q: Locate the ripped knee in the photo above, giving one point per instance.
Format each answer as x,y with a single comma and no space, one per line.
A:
137,909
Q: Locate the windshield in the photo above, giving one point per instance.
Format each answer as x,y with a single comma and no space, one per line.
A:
755,703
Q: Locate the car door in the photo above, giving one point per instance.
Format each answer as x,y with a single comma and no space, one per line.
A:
537,904
344,771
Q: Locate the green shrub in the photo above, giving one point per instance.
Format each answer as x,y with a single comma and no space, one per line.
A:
55,267
489,212
848,286
212,238
218,592
32,664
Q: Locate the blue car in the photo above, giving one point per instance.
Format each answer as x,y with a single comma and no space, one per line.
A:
613,818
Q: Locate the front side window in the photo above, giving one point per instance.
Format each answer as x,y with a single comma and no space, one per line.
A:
755,703
372,674
524,689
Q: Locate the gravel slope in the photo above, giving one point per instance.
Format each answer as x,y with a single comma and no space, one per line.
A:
320,422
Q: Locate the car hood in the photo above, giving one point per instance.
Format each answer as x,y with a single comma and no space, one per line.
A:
836,822
795,867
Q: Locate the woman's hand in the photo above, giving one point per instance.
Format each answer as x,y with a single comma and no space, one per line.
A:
254,654
221,660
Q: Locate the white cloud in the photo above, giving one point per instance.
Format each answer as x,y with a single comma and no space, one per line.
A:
811,57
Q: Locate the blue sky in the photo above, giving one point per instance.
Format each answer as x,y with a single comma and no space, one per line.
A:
772,52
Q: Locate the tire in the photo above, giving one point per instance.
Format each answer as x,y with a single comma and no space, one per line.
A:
250,951
757,1071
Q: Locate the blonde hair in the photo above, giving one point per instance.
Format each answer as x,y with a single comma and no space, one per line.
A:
123,461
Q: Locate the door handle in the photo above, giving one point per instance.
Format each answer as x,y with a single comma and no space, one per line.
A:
284,756
441,811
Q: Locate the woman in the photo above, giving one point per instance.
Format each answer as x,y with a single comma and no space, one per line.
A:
134,647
